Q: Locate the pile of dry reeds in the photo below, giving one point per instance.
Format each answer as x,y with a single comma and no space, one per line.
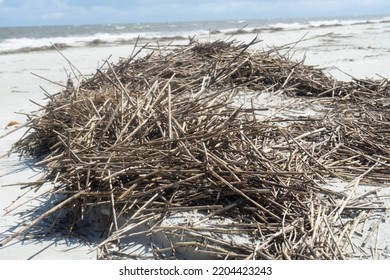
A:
161,134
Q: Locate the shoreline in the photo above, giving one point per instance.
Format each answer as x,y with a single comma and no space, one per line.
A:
33,39
351,54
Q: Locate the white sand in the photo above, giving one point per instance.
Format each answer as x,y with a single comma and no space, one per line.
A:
361,50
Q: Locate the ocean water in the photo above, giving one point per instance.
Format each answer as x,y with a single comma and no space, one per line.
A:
25,39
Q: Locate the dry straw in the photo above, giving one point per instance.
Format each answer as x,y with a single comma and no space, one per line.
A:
157,135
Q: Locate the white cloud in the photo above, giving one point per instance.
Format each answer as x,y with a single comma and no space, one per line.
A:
19,12
52,16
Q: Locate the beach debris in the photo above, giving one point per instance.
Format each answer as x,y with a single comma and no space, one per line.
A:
171,132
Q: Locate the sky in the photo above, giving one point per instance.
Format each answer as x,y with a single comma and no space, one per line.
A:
61,12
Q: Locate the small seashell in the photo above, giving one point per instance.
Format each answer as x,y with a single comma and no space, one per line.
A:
13,123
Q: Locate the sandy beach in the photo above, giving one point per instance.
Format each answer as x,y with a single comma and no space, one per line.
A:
359,51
